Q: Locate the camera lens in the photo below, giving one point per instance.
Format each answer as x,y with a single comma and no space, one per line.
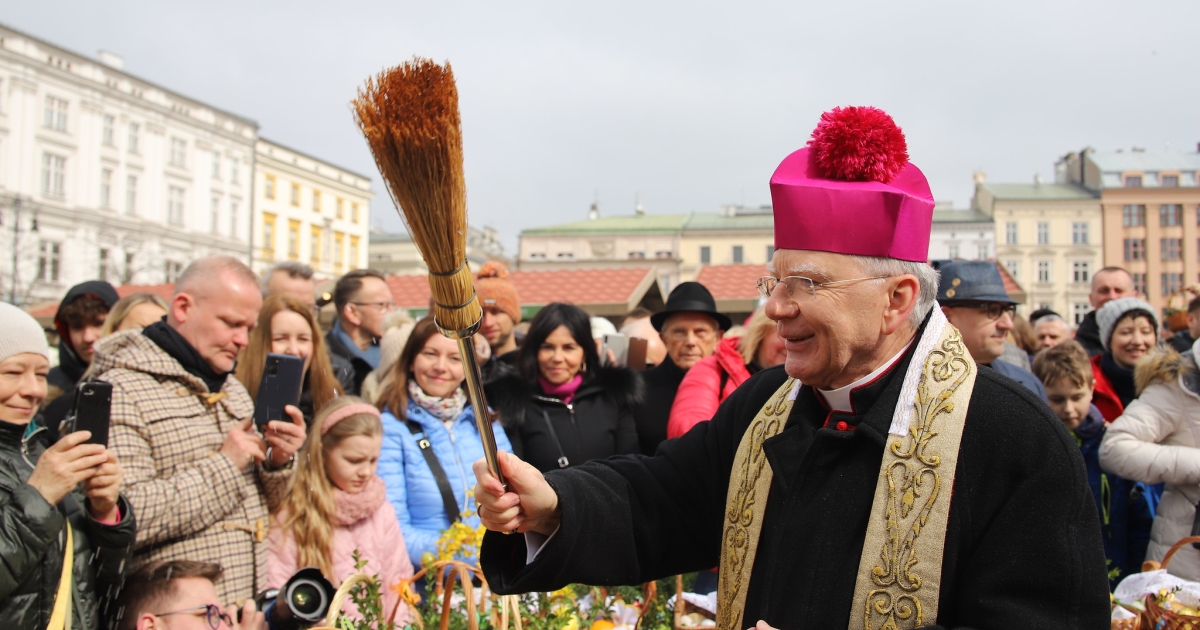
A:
306,599
272,367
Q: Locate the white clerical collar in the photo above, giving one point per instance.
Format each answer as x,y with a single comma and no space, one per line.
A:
839,399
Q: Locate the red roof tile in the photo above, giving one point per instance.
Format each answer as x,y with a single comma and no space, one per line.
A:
535,288
165,291
731,282
410,291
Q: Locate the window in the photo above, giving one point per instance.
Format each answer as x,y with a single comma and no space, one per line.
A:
106,188
53,175
216,165
1171,282
1133,181
316,201
1139,283
172,270
133,137
637,255
663,253
1172,248
1133,215
354,213
178,155
215,224
56,114
316,244
984,251
341,208
1043,271
233,219
49,261
1013,267
1043,233
234,176
1010,233
269,186
537,255
1170,215
127,276
1170,181
293,241
175,206
339,250
106,131
952,250
705,255
1081,272
131,195
353,262
1135,249
295,197
1079,233
103,271
770,252
1079,311
737,254
268,243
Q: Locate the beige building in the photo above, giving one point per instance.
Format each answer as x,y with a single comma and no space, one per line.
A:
1049,238
396,254
309,210
1149,202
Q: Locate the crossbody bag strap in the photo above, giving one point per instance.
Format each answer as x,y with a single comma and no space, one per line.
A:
439,473
60,615
562,455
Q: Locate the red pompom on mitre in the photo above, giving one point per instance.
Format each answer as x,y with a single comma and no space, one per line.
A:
858,144
492,269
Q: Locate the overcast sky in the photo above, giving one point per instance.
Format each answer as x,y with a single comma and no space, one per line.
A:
684,105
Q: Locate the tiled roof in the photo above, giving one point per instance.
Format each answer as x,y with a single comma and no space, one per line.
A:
630,224
711,221
1143,161
1011,287
578,286
165,291
1037,192
731,282
960,216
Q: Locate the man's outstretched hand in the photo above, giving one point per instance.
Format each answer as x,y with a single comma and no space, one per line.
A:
528,505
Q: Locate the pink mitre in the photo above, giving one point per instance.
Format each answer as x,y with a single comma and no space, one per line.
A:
852,190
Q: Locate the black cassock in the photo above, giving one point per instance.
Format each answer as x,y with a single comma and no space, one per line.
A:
1022,550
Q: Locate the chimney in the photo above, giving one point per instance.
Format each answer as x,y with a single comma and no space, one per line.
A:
979,177
112,60
594,212
1037,179
638,210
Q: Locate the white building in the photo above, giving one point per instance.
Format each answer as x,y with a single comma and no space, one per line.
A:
961,234
309,210
105,175
395,253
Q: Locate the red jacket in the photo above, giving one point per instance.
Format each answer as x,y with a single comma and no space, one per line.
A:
1105,397
701,393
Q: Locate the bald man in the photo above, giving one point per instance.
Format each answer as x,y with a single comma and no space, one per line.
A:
198,475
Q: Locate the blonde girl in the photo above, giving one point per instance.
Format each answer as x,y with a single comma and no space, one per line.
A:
337,504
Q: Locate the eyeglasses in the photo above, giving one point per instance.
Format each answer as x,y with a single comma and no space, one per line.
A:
800,288
383,306
212,615
993,310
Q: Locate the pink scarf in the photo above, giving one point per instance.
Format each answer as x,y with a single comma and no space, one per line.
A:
352,508
564,392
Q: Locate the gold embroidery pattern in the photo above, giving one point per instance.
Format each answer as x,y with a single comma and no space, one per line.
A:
740,538
914,482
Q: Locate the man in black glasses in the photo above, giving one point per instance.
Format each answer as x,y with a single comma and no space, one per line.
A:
180,595
972,295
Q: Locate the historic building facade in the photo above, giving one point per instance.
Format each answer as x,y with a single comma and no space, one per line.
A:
104,175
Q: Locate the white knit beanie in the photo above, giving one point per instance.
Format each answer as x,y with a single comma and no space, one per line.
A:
21,333
1109,314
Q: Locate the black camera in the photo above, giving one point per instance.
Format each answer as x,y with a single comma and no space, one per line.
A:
303,601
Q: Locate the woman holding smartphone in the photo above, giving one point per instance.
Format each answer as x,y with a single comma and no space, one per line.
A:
52,495
286,326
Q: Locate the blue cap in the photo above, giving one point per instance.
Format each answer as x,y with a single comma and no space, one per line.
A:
971,281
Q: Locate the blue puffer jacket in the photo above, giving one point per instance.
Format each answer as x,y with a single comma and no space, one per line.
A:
410,485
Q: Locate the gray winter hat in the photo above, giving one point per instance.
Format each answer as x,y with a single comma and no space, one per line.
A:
1109,314
22,333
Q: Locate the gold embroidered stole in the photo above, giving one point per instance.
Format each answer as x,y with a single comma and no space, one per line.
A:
899,574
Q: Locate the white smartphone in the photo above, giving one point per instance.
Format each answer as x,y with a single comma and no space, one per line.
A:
618,343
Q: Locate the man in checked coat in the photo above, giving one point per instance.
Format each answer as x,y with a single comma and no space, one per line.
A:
198,474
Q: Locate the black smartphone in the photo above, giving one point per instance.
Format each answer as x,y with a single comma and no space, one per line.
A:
93,409
282,380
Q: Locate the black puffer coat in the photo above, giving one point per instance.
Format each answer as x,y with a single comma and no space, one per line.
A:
597,423
32,535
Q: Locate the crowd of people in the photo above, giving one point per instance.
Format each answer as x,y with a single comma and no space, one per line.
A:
191,509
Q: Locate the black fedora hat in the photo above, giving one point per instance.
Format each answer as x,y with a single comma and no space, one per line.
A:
690,297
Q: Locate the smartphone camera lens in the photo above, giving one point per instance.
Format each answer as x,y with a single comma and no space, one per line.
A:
272,368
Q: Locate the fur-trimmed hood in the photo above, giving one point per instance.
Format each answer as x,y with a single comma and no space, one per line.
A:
1164,365
510,394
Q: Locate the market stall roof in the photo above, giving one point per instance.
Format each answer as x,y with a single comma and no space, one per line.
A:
44,313
732,286
602,292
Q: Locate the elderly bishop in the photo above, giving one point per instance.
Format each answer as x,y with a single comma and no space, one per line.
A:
878,479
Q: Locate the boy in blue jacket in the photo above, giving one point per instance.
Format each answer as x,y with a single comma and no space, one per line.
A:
1125,516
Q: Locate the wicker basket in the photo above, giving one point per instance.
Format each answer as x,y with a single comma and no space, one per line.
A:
1155,617
681,606
1177,317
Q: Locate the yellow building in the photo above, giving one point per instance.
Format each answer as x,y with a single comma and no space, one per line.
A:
309,210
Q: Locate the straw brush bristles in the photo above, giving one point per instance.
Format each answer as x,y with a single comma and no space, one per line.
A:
409,115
